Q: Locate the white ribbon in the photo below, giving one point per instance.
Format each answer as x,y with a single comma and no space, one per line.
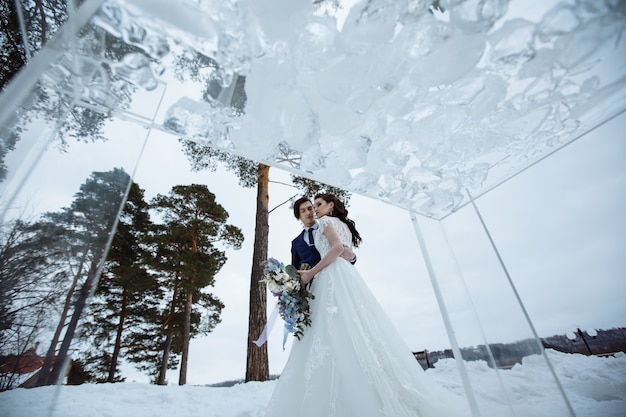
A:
285,334
268,328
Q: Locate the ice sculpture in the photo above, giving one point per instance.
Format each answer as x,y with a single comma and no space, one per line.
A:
403,103
413,107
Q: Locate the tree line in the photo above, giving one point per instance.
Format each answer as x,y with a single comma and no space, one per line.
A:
138,295
600,342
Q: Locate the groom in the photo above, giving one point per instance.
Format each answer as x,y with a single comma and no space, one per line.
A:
303,246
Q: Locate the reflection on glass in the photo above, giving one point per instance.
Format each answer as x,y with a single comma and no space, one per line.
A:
409,105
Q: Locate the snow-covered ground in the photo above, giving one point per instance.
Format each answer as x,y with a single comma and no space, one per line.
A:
595,386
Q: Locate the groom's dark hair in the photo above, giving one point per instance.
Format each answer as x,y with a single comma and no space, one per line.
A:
296,206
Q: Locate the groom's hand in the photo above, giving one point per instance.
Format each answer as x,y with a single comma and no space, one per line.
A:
347,253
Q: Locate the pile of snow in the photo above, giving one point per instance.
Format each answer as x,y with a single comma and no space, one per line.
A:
596,386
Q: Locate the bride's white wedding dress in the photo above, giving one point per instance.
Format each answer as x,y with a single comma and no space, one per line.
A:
352,361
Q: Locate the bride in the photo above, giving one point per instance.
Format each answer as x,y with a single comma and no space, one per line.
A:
351,361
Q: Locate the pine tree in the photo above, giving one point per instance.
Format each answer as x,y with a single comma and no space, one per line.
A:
87,227
193,223
124,310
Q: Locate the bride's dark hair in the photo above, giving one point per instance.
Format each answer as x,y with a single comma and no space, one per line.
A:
341,212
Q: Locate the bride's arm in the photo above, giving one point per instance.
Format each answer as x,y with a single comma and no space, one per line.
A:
336,247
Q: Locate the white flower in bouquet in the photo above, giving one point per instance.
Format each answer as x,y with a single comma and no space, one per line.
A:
283,277
273,286
291,285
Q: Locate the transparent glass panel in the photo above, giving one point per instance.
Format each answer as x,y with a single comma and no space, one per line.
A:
56,231
406,103
487,325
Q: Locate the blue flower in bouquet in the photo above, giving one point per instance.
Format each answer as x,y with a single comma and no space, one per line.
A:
293,298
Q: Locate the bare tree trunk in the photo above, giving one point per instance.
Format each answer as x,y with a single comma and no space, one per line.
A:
184,359
167,346
165,359
118,340
257,366
60,365
46,367
43,22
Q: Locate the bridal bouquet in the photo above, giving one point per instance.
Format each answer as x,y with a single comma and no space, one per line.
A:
293,298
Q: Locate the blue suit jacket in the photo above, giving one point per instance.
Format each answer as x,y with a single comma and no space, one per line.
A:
302,253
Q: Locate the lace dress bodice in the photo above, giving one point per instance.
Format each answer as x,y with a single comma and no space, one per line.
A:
321,241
